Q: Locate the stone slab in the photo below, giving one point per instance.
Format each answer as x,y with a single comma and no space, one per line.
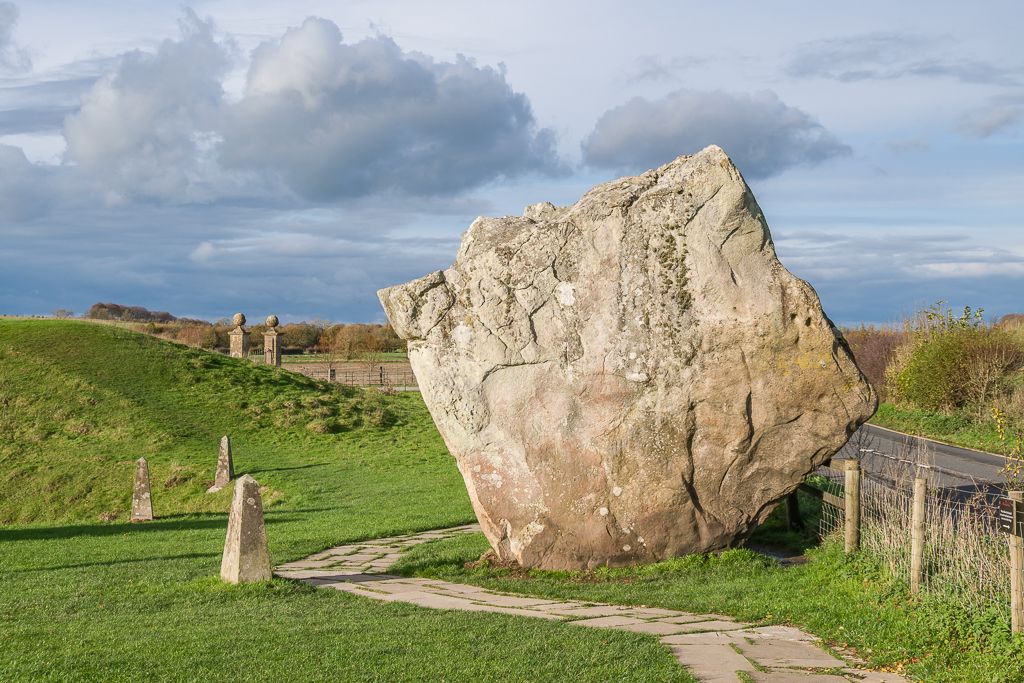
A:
699,626
796,677
776,652
655,628
691,618
593,611
607,622
510,600
713,663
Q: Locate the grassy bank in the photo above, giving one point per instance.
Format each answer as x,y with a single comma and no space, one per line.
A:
86,600
956,428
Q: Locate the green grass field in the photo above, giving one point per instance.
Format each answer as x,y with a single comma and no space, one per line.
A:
84,599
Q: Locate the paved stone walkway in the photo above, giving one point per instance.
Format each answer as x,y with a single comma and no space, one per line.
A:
711,646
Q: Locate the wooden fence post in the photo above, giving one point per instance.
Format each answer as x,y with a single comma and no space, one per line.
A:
1016,570
794,520
917,534
851,516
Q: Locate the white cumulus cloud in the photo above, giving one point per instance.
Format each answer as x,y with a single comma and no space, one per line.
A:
339,120
760,132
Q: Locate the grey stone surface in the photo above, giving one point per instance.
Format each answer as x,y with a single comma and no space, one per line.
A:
271,347
713,663
608,622
238,338
775,652
142,499
777,676
632,377
246,557
225,466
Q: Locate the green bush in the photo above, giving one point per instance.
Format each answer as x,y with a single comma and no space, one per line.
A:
961,368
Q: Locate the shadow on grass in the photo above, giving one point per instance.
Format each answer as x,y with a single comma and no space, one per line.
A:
181,523
111,563
282,469
778,538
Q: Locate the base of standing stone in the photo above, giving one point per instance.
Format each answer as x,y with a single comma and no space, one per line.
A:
142,500
246,556
225,466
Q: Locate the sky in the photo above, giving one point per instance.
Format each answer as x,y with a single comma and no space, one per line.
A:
293,158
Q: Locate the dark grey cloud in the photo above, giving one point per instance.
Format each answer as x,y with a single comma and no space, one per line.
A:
25,188
211,261
41,105
760,132
881,277
12,57
339,120
888,56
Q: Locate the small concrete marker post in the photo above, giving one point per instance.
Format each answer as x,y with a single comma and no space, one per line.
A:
225,466
142,501
851,504
246,557
917,535
271,350
239,338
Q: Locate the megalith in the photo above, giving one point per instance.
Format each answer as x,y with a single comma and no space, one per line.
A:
246,557
142,500
225,466
632,377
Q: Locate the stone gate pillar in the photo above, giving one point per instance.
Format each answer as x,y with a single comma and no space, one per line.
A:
239,337
271,350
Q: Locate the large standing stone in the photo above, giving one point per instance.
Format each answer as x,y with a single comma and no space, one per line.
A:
632,377
142,500
225,466
246,557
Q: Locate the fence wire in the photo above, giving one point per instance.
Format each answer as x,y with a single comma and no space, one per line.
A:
966,556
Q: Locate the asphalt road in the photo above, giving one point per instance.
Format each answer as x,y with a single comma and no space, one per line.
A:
893,456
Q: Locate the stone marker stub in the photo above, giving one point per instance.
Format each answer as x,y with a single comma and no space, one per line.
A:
246,557
225,466
239,338
271,349
142,501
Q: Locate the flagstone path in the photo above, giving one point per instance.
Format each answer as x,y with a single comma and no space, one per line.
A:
711,646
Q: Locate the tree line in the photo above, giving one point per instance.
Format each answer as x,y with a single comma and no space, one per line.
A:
343,341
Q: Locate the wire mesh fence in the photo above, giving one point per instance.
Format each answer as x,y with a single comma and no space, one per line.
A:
966,557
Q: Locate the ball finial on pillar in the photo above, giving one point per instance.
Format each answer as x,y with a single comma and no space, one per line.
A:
239,338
